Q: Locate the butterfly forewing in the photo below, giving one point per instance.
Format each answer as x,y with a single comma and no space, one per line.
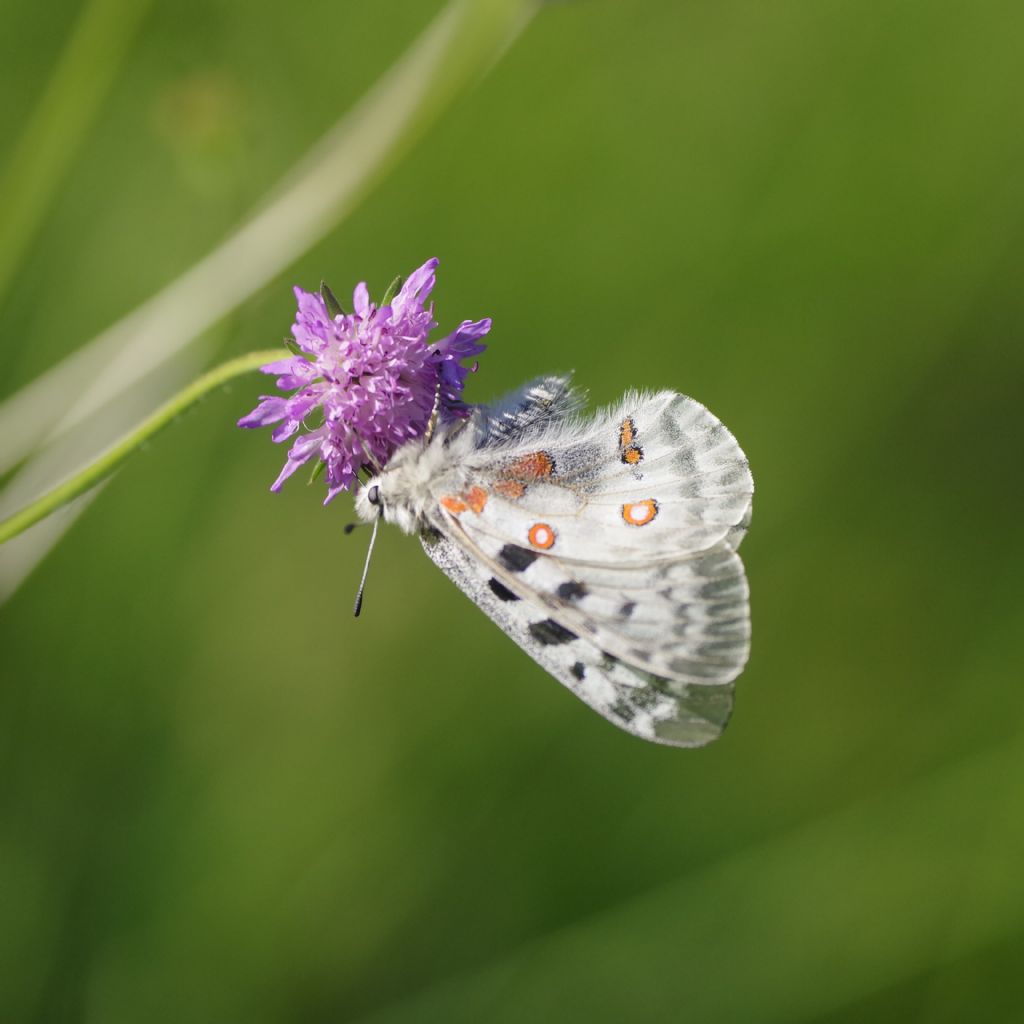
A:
656,476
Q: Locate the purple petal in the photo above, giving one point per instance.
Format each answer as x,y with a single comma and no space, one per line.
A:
307,444
361,299
291,364
283,432
417,287
296,408
463,342
298,455
295,372
271,409
289,467
312,327
311,304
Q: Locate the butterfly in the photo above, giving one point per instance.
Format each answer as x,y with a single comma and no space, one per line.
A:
606,548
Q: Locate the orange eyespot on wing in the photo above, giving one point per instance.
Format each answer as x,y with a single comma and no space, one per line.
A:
640,513
541,536
632,455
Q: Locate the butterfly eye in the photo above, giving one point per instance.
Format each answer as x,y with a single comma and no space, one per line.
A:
373,495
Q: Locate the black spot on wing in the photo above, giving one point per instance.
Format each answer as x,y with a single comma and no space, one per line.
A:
578,670
627,609
500,591
550,632
571,591
515,558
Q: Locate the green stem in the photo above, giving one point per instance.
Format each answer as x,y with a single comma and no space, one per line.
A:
105,464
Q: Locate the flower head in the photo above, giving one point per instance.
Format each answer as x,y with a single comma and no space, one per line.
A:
369,377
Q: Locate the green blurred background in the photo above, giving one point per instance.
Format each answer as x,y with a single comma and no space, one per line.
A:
222,799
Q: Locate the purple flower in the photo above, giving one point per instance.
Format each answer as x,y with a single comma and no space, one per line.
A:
365,382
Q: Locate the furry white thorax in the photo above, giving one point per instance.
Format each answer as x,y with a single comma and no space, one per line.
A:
418,474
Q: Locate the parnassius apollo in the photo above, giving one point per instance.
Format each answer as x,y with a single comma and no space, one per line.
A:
604,546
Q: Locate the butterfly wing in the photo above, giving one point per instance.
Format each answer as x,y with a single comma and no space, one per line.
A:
528,410
662,466
649,707
606,549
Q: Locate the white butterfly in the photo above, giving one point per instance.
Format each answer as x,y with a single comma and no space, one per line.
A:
606,548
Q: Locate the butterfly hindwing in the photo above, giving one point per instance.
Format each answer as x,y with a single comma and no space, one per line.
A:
635,700
685,620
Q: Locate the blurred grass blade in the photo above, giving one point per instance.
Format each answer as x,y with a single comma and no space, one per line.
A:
60,121
119,366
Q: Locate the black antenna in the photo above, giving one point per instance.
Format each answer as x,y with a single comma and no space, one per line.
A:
366,569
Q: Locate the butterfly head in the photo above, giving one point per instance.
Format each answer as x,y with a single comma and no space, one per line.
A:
402,493
369,500
385,497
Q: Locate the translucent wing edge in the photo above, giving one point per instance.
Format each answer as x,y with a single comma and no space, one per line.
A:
528,410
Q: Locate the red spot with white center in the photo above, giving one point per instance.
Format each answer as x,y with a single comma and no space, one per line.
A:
541,536
640,513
